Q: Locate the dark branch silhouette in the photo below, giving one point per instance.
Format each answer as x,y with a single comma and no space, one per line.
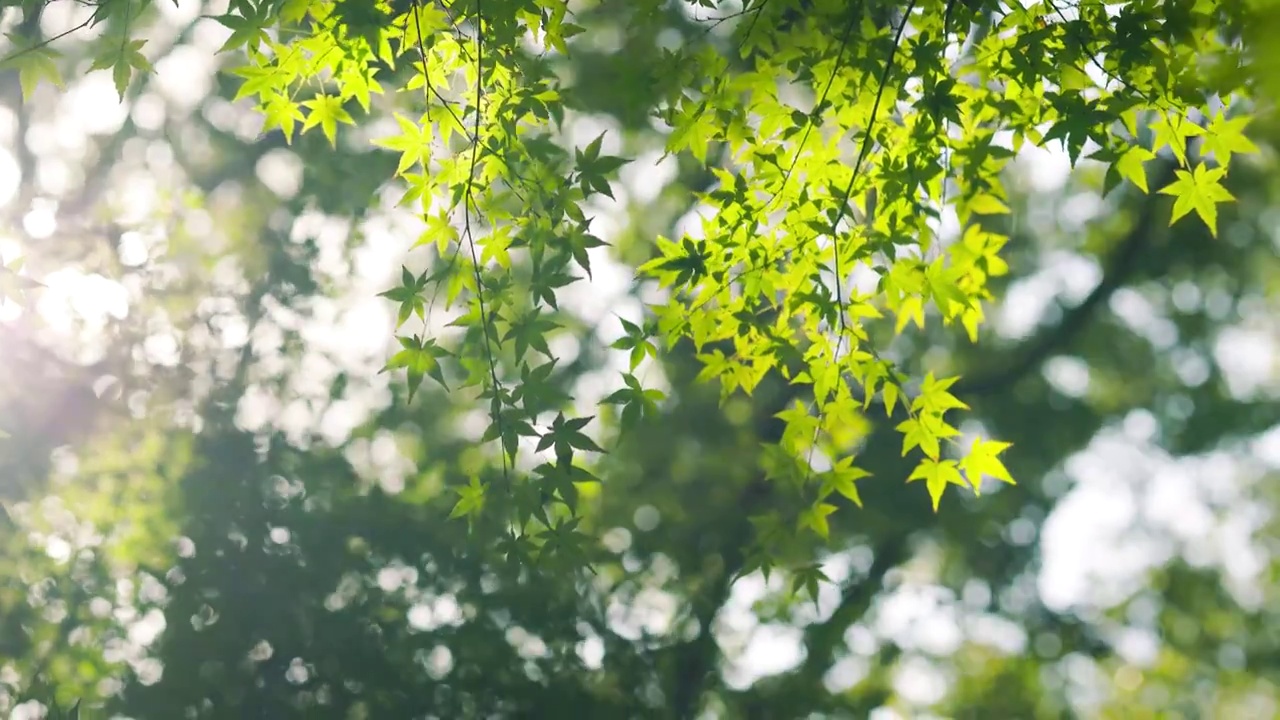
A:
1120,269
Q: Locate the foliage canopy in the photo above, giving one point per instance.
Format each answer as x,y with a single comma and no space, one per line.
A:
853,153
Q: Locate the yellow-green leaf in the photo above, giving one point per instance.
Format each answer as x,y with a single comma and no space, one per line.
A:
1130,166
1199,190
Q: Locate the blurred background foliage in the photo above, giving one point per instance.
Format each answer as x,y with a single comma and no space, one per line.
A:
217,508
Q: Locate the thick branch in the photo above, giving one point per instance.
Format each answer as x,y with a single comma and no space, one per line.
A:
696,660
1120,269
855,600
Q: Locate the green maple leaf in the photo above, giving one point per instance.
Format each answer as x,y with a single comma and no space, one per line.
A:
260,81
530,330
327,112
815,518
915,435
564,541
359,83
33,64
1224,137
841,478
593,168
279,111
937,475
935,398
421,359
1173,130
693,134
440,229
1130,166
470,499
982,461
579,242
1199,190
123,57
413,143
249,32
1074,128
636,401
565,435
807,578
564,478
408,295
